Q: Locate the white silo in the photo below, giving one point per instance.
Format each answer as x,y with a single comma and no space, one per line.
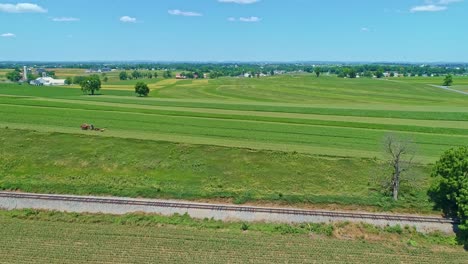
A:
25,73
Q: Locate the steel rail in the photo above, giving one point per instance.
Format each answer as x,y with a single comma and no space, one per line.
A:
231,208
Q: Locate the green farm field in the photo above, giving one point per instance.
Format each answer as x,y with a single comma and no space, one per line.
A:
50,237
291,138
3,73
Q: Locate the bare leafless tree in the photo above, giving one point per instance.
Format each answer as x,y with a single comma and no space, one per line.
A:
400,153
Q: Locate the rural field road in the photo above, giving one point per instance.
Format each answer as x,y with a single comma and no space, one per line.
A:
118,206
449,89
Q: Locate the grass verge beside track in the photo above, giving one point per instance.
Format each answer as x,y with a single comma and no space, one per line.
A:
50,237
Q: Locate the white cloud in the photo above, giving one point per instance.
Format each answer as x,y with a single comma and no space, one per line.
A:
448,2
434,6
8,35
428,8
127,19
244,19
365,29
242,2
177,12
249,19
22,8
65,19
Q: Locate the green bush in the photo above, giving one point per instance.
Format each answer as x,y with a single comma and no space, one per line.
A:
244,227
394,229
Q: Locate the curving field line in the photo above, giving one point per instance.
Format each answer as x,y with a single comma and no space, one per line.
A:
449,89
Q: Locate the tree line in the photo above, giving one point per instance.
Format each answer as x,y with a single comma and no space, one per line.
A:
16,75
124,75
216,70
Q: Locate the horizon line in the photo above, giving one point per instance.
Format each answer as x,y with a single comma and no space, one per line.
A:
234,61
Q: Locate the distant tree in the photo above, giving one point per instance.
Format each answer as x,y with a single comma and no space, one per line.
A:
142,89
400,156
317,71
78,79
352,73
155,75
450,190
368,74
91,84
379,74
215,75
14,76
136,74
189,75
272,72
68,80
123,75
392,74
51,74
149,75
448,81
32,76
167,74
341,74
105,79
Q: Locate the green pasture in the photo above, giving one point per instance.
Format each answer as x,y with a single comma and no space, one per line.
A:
86,164
323,116
463,88
3,73
291,138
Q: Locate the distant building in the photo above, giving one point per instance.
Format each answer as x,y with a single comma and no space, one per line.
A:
40,71
91,70
179,76
279,72
96,70
47,81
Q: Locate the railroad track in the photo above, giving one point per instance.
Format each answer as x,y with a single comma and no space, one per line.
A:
232,208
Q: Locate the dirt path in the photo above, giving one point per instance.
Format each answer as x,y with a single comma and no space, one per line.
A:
448,89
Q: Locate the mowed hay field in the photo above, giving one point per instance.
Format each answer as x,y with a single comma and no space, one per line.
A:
325,116
54,238
292,138
3,73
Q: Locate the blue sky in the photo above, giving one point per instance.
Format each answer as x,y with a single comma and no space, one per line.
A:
241,30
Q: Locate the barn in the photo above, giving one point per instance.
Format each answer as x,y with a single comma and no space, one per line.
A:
47,81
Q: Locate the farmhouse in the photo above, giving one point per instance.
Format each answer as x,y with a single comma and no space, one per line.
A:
47,81
40,71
